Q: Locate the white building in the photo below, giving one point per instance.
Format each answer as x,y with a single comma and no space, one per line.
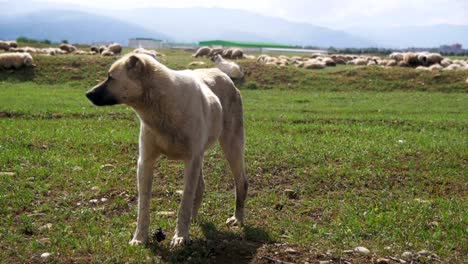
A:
146,43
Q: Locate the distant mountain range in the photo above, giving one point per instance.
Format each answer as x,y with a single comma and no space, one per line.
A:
74,26
56,22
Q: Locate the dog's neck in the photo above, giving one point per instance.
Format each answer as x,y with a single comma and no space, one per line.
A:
158,109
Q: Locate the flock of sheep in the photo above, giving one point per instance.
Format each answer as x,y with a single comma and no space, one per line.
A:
420,61
230,53
16,57
109,50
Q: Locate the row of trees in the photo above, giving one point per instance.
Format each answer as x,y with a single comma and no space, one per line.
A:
36,41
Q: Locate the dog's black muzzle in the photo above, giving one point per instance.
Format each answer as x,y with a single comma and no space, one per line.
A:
100,96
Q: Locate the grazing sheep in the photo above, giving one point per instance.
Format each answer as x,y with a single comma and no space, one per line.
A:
446,62
67,48
4,45
295,58
202,52
197,63
358,61
215,51
227,54
403,64
329,62
102,49
237,54
411,59
397,56
15,60
452,67
30,50
392,63
232,69
12,44
262,58
434,58
460,63
299,64
107,53
339,60
422,58
314,64
95,49
152,53
436,67
116,48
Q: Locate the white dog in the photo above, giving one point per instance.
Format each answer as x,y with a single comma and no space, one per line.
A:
182,114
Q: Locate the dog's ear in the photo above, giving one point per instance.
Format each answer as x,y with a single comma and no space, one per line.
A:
134,63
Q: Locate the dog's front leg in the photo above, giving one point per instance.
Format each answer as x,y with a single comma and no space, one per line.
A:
191,176
146,160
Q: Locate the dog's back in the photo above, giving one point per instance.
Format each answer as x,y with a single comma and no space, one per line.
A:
228,95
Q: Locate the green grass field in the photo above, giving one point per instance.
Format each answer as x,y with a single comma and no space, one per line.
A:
377,158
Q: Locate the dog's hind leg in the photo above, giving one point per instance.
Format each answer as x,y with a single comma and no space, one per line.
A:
191,181
197,201
146,159
232,143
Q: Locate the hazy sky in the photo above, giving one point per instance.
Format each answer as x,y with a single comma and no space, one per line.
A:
340,14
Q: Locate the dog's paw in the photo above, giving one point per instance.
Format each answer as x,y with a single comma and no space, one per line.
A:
178,241
234,222
136,242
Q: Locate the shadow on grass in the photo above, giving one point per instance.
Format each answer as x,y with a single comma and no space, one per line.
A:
18,75
218,247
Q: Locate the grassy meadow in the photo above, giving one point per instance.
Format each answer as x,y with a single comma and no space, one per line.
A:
376,158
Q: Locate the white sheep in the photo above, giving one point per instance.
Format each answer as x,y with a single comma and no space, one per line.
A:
107,53
411,59
202,52
391,63
13,44
15,60
452,67
152,53
329,62
4,45
232,69
436,67
397,56
434,58
358,61
446,62
67,48
263,58
314,64
237,54
116,48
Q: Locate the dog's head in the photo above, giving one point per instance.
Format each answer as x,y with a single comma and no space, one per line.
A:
123,84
